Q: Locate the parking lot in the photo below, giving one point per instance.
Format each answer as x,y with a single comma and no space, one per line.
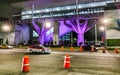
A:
85,63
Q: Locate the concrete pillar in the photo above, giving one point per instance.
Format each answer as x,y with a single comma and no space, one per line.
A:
56,31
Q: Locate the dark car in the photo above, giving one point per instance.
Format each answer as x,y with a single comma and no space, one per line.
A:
88,47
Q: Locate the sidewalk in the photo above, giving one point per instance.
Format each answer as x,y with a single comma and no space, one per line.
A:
96,54
113,46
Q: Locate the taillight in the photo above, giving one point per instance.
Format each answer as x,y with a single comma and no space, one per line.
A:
30,46
47,48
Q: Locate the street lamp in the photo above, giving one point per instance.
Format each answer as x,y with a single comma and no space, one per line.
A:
102,28
95,34
105,21
47,24
6,28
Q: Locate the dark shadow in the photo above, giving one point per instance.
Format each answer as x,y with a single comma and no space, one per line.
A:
115,28
36,53
22,73
87,48
70,70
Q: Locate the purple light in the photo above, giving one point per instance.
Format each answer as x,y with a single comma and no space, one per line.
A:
39,31
79,28
80,38
21,33
63,29
42,30
49,35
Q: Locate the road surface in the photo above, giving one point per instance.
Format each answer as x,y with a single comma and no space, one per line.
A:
86,63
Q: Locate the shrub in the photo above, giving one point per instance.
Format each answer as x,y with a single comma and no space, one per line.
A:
113,42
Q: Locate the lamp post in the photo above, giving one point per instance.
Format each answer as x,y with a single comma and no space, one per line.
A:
95,34
105,21
71,38
102,28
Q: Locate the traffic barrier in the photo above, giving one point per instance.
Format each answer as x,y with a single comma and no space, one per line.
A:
92,49
62,48
25,64
71,49
67,61
81,49
116,50
103,50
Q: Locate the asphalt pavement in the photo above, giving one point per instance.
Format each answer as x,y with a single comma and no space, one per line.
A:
85,63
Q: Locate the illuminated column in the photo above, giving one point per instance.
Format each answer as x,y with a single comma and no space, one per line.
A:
79,26
40,30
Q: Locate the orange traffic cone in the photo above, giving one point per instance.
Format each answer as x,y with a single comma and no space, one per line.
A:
116,50
25,64
104,50
67,61
71,49
81,49
62,48
92,48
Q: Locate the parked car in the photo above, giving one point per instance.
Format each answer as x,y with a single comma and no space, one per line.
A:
39,48
88,47
4,46
99,45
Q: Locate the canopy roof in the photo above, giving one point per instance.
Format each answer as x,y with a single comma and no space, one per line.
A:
27,4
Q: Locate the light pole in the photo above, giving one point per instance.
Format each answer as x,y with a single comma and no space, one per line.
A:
71,38
105,21
102,28
95,34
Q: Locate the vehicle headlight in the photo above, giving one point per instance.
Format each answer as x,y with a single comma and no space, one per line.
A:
97,48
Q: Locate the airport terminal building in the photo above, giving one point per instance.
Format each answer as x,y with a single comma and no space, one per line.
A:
68,22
